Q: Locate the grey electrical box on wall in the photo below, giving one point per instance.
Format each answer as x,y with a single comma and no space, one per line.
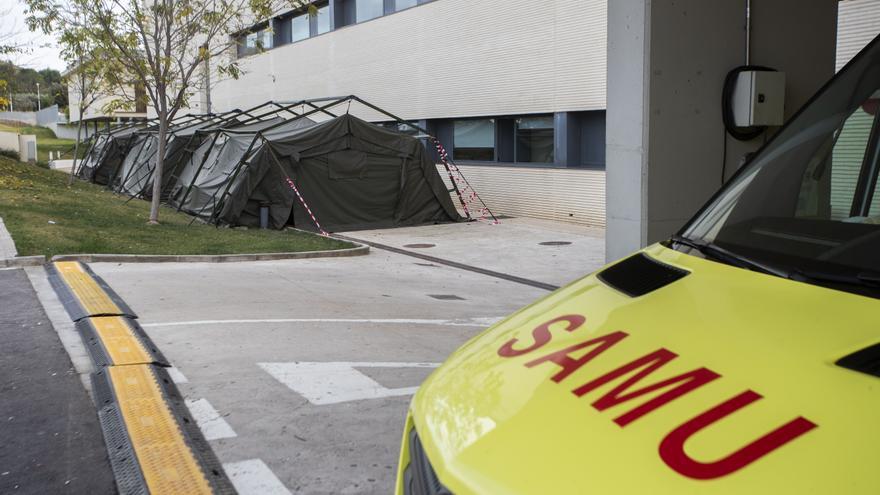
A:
759,98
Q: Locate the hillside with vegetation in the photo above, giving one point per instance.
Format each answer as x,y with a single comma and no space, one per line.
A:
21,84
46,216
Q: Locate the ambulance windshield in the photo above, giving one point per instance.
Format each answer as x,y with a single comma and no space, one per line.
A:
808,203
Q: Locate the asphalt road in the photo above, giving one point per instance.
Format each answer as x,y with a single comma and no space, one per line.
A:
300,372
51,440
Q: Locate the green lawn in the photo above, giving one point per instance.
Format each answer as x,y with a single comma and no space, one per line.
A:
47,217
46,141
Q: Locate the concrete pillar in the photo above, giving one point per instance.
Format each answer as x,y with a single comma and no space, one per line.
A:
667,60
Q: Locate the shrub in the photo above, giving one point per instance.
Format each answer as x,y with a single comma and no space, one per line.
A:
9,154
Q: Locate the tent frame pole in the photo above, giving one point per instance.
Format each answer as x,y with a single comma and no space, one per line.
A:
199,170
259,135
220,203
445,162
174,128
217,130
124,179
92,143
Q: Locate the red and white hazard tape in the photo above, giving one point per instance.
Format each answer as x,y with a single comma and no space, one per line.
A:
466,193
306,206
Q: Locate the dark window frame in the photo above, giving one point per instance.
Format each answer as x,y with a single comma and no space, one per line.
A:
587,132
240,39
516,143
453,146
337,21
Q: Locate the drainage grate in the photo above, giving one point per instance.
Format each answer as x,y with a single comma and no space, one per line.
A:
555,243
419,246
446,297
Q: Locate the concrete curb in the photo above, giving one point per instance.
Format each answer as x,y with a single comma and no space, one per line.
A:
360,250
20,261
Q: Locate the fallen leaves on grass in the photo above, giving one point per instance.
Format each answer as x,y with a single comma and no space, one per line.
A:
15,183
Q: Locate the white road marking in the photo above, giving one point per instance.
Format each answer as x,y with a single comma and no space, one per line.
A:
176,375
253,477
213,426
464,322
336,382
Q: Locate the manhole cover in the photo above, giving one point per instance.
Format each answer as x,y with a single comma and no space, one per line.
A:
554,243
446,297
419,246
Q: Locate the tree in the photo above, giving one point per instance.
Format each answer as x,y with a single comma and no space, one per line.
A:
10,43
85,78
4,102
160,44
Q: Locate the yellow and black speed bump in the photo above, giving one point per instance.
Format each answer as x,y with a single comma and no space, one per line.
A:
118,341
155,446
83,293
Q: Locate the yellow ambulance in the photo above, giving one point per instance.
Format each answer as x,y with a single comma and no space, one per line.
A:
740,356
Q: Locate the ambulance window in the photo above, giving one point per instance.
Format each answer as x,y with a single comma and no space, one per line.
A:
832,175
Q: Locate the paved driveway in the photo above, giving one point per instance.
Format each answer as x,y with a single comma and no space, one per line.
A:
300,372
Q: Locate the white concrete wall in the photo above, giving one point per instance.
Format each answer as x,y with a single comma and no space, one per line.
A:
679,71
448,58
98,108
667,64
9,141
44,117
20,143
566,195
26,118
458,58
68,131
27,147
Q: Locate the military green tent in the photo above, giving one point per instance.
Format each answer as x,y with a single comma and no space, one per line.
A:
106,153
292,163
350,173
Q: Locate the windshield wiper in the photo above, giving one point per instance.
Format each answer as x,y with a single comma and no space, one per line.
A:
718,253
861,279
869,279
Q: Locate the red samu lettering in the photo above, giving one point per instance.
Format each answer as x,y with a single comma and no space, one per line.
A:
541,335
572,358
680,385
672,447
569,364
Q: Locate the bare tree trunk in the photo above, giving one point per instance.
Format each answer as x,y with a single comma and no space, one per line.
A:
79,126
207,84
157,173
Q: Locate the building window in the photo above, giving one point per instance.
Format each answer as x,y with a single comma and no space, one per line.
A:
474,140
323,20
401,127
299,27
534,139
404,4
368,9
255,42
